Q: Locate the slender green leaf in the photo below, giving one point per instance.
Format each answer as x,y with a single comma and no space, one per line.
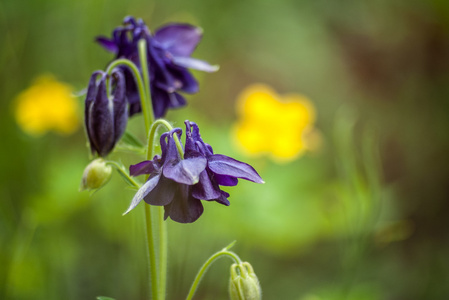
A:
131,140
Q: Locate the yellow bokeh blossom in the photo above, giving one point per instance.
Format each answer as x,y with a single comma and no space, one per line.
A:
47,105
281,126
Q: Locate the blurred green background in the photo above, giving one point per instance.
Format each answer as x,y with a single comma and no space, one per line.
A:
363,218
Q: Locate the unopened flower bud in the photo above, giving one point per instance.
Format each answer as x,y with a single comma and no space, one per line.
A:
105,116
95,175
244,284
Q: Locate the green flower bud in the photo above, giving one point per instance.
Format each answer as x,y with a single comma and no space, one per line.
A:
95,175
244,284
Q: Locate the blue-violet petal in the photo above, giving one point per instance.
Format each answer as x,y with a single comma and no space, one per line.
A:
224,165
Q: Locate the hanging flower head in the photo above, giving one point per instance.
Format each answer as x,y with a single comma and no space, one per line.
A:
180,178
105,117
170,181
169,51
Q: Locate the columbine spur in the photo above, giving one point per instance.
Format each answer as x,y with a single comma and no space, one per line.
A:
179,183
169,51
105,117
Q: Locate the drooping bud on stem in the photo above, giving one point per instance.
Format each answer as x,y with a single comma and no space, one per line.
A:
243,284
95,175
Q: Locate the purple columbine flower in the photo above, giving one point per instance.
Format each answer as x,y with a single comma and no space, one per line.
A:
169,51
221,170
105,117
170,181
180,183
124,45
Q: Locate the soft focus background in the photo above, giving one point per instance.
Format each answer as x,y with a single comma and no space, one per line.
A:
362,215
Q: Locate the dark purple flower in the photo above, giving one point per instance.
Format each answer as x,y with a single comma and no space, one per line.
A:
220,170
179,184
169,51
170,181
124,45
105,117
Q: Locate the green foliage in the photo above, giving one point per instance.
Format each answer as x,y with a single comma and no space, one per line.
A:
364,218
131,143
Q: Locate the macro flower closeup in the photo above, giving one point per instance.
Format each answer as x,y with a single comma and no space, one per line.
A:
47,105
179,182
105,116
169,52
280,126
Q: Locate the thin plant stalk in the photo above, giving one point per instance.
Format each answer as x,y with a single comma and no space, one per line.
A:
158,271
146,111
207,264
148,115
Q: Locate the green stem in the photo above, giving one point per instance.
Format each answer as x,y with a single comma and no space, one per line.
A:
160,212
156,124
131,181
206,265
151,243
152,134
150,237
158,272
163,244
144,97
149,231
146,79
163,251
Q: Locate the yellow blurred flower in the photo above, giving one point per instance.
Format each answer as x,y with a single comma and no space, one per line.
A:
281,126
47,105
